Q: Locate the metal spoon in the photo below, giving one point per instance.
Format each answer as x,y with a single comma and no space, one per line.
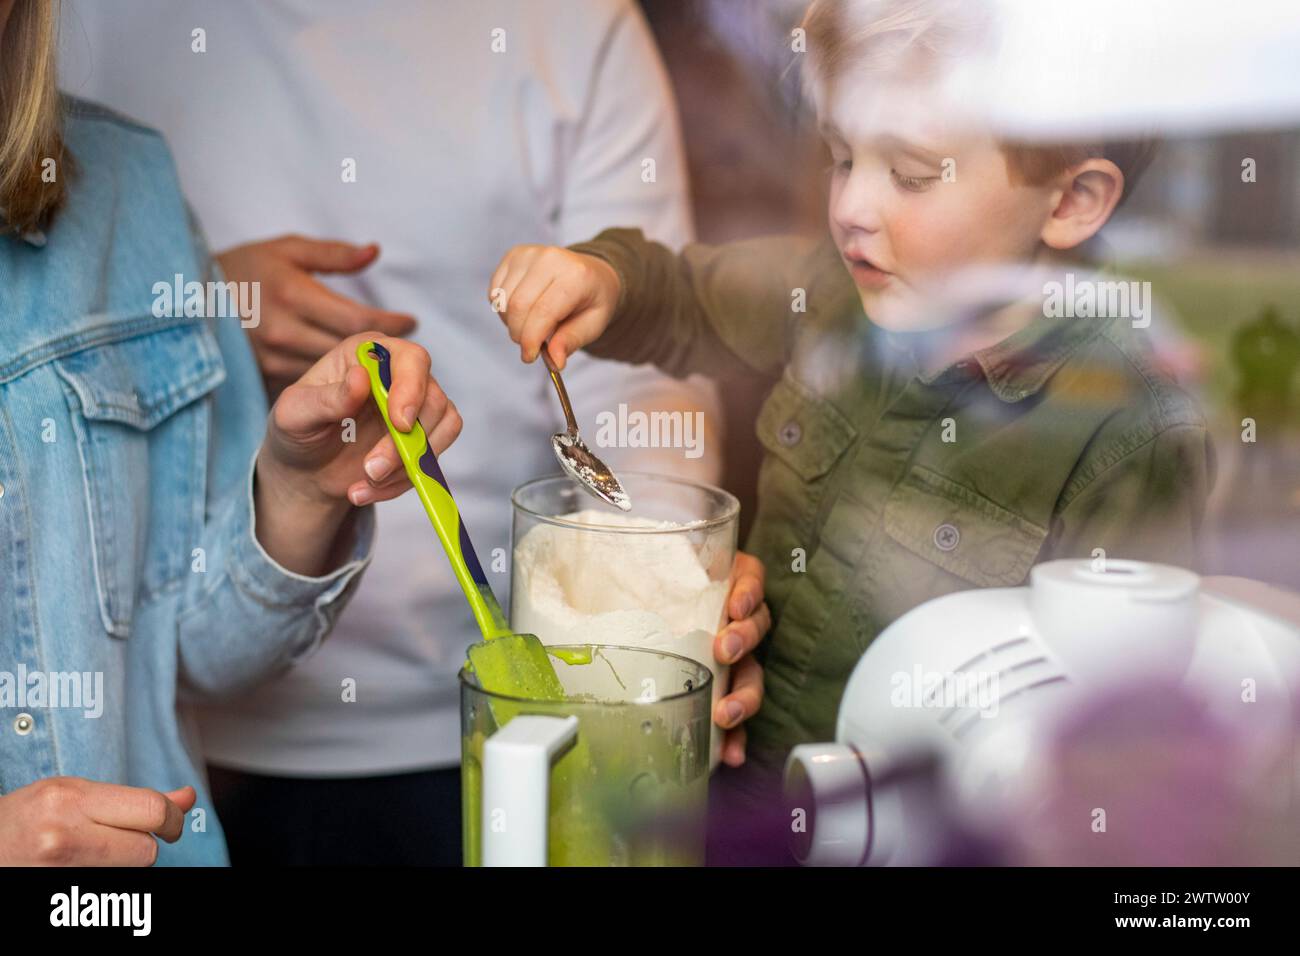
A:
575,457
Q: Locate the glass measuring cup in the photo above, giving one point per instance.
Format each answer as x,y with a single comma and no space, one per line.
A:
581,574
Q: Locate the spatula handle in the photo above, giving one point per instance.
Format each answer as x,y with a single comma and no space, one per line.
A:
430,484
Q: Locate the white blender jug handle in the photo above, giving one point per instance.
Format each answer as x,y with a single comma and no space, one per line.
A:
516,783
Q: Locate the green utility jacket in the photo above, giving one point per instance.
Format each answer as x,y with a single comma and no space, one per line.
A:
1060,440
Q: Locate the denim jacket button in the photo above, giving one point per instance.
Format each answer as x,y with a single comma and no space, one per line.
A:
946,537
2,490
790,434
23,724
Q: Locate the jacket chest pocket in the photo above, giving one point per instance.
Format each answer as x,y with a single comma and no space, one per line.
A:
962,538
142,432
804,436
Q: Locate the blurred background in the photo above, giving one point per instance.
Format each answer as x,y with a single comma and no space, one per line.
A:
1222,254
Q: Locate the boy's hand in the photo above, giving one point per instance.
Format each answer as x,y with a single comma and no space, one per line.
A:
310,467
734,645
301,318
69,821
545,292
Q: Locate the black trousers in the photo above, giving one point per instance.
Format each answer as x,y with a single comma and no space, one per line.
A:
404,819
414,819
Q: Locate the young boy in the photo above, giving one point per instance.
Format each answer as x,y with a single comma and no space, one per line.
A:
923,435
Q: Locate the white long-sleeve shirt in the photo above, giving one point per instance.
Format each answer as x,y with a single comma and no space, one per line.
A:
471,126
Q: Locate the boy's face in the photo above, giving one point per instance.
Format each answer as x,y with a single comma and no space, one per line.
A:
916,200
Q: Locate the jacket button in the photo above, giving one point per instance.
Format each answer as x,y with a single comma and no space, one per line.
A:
23,724
946,537
2,491
789,434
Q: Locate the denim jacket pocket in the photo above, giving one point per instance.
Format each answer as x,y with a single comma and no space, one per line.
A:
961,531
142,433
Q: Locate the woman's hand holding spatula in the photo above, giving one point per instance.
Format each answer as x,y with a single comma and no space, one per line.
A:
312,469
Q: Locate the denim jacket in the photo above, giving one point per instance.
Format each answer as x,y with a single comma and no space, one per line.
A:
131,581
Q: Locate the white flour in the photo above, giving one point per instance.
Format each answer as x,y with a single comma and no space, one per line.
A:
639,590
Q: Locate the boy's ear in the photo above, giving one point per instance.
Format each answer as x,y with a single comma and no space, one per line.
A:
1087,194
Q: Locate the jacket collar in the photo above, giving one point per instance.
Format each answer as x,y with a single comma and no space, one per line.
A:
1019,365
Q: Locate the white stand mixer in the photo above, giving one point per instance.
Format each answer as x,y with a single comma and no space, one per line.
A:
980,678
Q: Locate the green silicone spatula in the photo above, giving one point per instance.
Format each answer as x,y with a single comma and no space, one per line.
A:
515,665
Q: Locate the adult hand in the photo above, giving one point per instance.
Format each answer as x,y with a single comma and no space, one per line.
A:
70,821
300,318
308,474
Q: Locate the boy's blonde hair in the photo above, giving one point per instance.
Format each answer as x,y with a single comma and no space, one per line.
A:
30,118
918,39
